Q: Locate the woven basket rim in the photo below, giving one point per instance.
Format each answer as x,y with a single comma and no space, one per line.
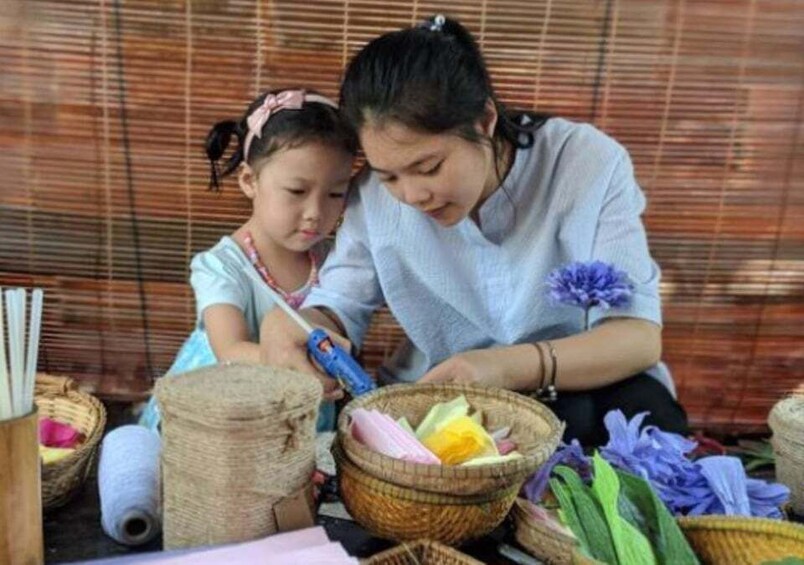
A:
783,528
521,515
91,439
522,464
412,494
407,547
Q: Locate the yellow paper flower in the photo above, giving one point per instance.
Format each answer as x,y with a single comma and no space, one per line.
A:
460,440
51,454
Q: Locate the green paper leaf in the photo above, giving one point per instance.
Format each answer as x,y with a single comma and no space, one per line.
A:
646,511
631,547
591,522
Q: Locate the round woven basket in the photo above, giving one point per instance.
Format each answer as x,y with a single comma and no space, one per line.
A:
787,422
716,540
534,428
543,542
405,514
732,540
57,398
422,552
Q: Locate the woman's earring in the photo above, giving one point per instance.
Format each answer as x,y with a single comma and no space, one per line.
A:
339,223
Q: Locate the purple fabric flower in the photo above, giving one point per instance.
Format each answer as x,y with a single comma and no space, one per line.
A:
590,284
570,455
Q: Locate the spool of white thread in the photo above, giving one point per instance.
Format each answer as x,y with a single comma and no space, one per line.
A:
129,485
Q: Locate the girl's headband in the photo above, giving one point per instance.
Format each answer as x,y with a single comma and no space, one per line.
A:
285,100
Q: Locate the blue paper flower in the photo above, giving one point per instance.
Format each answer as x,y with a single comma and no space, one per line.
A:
570,455
711,485
589,285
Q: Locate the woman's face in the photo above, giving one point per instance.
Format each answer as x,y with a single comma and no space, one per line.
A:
442,175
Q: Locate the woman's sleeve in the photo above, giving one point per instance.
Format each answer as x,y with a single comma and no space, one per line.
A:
348,283
620,240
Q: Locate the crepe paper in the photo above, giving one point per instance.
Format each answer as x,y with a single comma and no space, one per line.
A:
505,446
403,422
570,455
460,440
381,433
726,477
663,459
310,546
546,517
631,547
639,505
501,434
53,454
581,511
491,459
441,414
56,434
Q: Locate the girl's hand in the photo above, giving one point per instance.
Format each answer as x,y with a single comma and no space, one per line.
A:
505,367
284,344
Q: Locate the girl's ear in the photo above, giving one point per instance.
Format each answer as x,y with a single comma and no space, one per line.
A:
247,179
486,124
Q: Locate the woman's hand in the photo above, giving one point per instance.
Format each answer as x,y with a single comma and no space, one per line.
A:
506,367
284,344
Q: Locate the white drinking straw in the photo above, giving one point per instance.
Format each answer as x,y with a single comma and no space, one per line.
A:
34,330
6,407
13,351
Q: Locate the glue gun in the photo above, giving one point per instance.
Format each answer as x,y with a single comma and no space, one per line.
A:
337,363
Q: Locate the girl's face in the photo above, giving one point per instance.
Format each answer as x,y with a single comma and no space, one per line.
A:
298,194
442,175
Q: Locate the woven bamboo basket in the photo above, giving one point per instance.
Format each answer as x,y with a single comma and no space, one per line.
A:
58,398
534,428
716,540
421,552
735,540
545,543
787,422
405,514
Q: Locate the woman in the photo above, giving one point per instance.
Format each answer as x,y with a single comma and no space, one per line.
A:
463,210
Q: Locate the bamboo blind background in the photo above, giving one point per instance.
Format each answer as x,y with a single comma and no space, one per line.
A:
104,105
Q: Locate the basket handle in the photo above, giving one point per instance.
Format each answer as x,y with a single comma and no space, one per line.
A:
50,384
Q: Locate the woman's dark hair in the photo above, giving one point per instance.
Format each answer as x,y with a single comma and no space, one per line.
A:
431,78
315,121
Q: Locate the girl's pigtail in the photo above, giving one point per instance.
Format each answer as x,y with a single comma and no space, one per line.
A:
217,142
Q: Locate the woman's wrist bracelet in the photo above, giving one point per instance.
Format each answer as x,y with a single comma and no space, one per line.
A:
547,393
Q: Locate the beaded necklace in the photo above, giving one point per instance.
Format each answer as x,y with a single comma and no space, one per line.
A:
293,299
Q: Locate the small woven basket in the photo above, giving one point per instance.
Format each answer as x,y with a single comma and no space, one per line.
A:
787,422
421,552
716,540
733,540
534,428
404,514
57,398
543,542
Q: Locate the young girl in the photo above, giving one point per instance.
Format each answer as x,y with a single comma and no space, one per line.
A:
294,161
463,212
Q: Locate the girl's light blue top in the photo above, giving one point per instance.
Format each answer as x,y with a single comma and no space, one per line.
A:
570,197
224,275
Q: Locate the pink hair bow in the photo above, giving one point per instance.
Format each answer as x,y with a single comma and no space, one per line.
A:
285,100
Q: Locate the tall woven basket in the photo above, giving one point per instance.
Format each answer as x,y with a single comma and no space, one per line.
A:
238,446
787,422
58,398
